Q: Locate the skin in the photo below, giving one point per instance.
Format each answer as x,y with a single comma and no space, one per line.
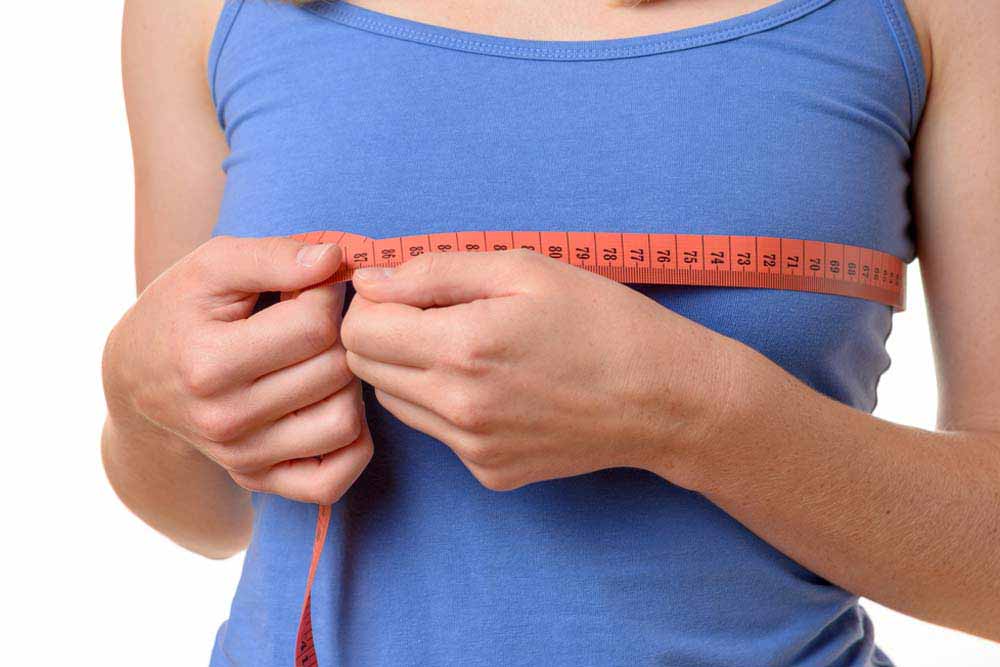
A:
484,365
462,347
205,401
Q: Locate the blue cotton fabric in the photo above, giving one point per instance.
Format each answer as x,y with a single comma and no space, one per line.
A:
795,120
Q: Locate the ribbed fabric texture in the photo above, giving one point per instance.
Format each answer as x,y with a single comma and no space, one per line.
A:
795,120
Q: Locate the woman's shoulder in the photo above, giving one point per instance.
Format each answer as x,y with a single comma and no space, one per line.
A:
947,29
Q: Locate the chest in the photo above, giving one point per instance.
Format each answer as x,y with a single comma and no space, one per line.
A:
385,145
341,120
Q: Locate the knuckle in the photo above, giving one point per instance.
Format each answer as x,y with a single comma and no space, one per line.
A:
208,253
495,481
211,247
329,492
198,364
340,371
427,263
345,427
239,467
524,255
320,330
198,378
337,373
477,348
329,496
467,355
367,452
239,462
267,251
473,419
348,330
522,265
192,268
215,422
468,349
248,482
531,269
482,453
217,243
465,412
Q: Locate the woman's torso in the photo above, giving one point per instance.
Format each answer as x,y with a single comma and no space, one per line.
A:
794,120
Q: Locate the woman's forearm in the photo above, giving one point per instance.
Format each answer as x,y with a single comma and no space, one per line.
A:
174,488
906,517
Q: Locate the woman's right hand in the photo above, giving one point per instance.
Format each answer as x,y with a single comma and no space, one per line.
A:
264,394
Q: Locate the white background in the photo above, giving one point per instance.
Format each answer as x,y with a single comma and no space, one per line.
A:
82,581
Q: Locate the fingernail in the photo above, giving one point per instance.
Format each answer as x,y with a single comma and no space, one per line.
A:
374,272
310,254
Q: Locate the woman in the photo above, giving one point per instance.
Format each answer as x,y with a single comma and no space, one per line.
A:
528,463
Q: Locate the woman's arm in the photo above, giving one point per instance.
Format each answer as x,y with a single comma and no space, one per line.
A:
177,145
205,397
177,150
906,517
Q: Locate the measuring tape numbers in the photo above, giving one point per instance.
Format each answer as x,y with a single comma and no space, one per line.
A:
650,259
660,259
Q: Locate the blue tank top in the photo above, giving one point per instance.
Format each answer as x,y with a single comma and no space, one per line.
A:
795,120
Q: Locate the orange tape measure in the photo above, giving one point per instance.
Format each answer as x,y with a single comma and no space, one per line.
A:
651,259
661,259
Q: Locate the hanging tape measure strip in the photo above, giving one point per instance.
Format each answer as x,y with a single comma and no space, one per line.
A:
651,259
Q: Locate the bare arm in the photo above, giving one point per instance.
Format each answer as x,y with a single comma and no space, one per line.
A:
177,144
207,399
906,517
177,151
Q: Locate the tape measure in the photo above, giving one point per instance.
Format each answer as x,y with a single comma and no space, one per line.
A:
660,259
651,259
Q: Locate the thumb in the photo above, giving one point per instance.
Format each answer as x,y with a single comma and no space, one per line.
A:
445,278
275,264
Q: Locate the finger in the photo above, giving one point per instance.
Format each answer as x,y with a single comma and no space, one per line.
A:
475,457
320,428
275,264
420,418
393,333
444,279
414,384
316,480
294,388
284,334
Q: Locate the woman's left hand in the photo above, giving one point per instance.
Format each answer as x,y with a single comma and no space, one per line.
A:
533,369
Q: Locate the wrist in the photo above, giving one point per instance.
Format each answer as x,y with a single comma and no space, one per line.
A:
126,428
723,397
126,425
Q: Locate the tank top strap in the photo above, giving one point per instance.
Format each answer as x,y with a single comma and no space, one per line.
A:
223,26
901,26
